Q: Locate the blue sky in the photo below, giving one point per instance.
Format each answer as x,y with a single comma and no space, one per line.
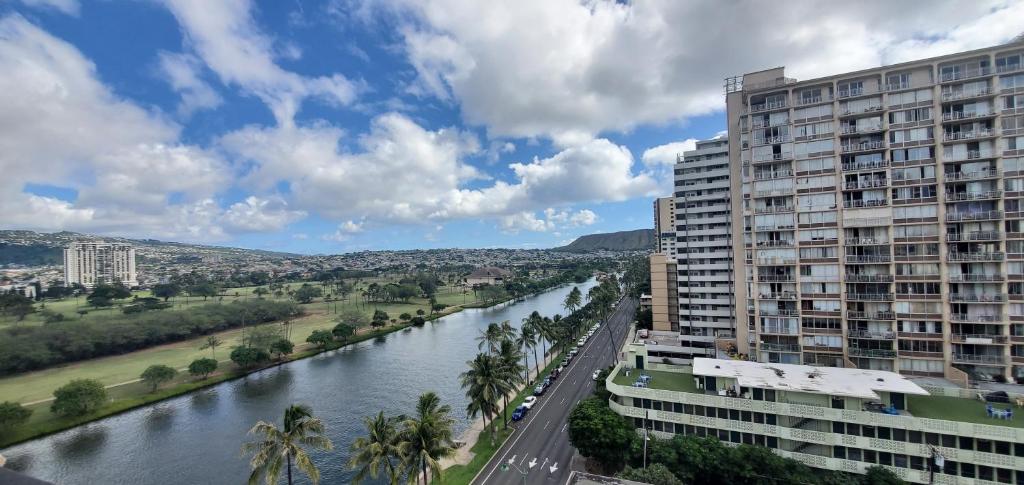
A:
322,127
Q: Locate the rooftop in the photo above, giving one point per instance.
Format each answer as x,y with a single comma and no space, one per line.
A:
834,381
666,381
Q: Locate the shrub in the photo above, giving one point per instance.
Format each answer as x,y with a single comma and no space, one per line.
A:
249,357
155,375
13,414
202,367
78,398
320,337
282,347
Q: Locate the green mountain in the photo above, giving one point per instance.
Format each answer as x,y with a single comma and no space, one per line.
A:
636,240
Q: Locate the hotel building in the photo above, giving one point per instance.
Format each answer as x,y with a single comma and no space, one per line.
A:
881,216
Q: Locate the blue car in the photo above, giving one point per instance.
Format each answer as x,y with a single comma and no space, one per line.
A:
519,413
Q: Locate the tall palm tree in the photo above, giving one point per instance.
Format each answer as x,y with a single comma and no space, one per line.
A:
490,338
547,331
508,332
427,438
379,451
573,300
278,447
511,371
484,386
528,339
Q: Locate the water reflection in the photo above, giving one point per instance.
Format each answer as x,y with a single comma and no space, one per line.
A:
81,443
160,418
266,382
205,401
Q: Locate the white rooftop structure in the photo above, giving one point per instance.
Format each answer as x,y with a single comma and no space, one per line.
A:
834,381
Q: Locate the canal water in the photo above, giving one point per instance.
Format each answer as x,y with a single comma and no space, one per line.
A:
196,438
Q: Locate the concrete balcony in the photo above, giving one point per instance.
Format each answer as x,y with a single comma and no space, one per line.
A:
967,318
866,241
967,94
968,135
869,278
966,115
965,74
978,338
773,278
856,166
869,296
979,359
975,236
978,175
985,256
977,278
773,347
854,315
984,195
863,147
978,298
866,184
757,108
864,334
859,204
974,216
868,258
773,209
872,353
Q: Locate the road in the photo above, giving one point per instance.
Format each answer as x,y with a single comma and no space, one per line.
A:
543,437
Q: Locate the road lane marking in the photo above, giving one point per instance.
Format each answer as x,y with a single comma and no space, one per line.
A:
546,423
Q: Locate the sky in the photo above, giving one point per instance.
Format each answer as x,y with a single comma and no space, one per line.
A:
337,126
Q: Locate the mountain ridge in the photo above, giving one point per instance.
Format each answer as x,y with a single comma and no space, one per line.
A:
634,240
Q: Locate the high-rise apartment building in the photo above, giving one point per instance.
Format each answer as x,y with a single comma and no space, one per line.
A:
704,259
881,216
665,226
91,263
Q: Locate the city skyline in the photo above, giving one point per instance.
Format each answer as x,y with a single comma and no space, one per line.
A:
336,127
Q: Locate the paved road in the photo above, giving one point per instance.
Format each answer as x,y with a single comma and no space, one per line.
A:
544,436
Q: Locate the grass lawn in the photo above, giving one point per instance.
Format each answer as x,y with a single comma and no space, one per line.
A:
959,409
668,381
40,384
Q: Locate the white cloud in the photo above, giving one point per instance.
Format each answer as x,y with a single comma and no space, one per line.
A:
182,71
70,7
260,215
508,147
666,154
351,227
553,219
569,70
225,35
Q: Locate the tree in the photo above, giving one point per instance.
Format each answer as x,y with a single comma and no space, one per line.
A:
16,304
211,342
420,312
282,347
249,357
166,290
379,451
321,338
264,336
511,370
573,300
427,438
644,318
202,367
879,475
380,315
528,339
13,414
78,398
490,338
204,289
260,292
343,331
599,433
418,321
157,374
353,318
484,385
405,317
307,292
277,447
655,474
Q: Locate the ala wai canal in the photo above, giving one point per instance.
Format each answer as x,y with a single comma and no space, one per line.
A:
196,438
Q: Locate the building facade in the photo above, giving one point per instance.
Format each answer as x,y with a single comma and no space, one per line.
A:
831,418
90,264
665,226
881,216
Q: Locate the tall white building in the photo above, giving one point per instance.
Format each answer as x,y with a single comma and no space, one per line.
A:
92,263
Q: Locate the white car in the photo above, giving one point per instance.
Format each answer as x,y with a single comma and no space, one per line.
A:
530,401
596,373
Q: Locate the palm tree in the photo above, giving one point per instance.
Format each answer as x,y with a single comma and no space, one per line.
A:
490,338
379,450
277,447
573,300
427,438
508,332
484,385
511,370
527,339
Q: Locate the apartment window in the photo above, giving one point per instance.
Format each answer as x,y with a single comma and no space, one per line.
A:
916,134
1010,62
912,154
1011,82
920,95
897,81
824,110
814,129
914,173
851,88
910,115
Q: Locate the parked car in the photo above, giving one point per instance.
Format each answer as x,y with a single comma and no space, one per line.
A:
596,374
539,390
573,352
529,402
547,381
565,362
519,413
555,372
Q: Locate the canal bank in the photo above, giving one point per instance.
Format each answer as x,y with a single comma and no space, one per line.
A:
206,427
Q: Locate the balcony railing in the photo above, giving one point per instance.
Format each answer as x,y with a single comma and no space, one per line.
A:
813,100
979,298
774,278
785,295
973,216
964,317
1008,68
781,330
870,315
868,258
861,147
872,335
772,140
846,93
976,256
781,243
865,165
979,358
780,313
854,129
965,74
965,94
980,174
866,241
773,175
876,353
856,204
897,86
869,296
967,135
869,278
975,236
773,209
773,157
867,184
754,108
965,115
967,337
976,278
779,347
958,196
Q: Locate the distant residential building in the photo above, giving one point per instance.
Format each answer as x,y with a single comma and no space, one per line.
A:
664,293
665,225
28,291
488,276
92,263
